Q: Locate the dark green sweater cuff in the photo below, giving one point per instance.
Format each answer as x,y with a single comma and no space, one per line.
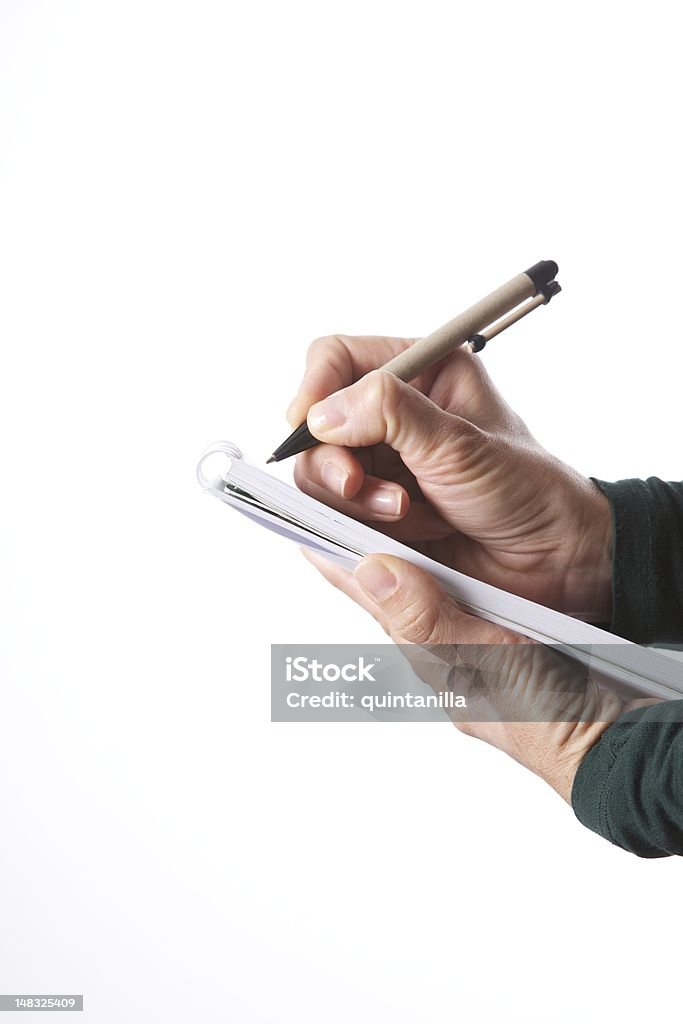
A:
647,569
629,787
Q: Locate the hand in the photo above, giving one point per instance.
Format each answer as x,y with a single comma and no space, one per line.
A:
444,465
529,701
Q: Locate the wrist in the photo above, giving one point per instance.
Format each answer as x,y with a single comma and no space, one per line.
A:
573,748
561,774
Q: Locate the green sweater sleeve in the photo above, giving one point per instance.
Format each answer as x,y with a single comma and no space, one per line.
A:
629,787
647,559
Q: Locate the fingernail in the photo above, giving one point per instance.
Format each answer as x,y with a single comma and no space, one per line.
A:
334,477
327,414
375,579
386,501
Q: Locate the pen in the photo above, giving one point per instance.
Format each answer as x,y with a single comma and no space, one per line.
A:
477,325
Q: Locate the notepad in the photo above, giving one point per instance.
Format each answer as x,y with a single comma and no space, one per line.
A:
631,669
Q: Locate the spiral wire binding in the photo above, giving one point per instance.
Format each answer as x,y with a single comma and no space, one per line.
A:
217,448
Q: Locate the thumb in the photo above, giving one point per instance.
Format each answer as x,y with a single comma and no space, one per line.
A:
414,609
380,408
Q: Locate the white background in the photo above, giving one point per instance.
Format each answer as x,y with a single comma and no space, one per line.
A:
189,194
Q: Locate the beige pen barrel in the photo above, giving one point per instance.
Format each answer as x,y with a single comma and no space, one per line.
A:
428,350
536,284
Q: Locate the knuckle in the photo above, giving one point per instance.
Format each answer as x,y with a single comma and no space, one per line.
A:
381,620
318,347
416,619
473,451
390,390
382,392
474,368
323,346
466,435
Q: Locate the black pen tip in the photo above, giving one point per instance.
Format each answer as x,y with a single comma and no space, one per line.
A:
271,459
298,441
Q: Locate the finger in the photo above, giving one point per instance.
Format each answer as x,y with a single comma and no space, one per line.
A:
334,475
380,408
376,501
415,607
338,360
382,504
342,471
331,468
